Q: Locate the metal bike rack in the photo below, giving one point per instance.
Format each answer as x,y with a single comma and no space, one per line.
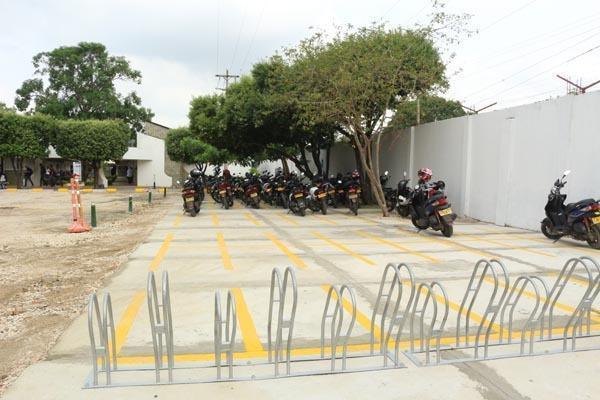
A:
336,319
225,344
528,330
396,321
498,271
426,334
103,348
161,324
277,295
592,271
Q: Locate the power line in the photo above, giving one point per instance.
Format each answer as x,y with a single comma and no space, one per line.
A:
237,42
262,11
218,18
390,9
510,14
226,77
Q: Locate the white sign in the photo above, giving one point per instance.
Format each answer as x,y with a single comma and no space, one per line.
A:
77,168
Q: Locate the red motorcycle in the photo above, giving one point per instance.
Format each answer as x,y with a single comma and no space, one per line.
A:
225,194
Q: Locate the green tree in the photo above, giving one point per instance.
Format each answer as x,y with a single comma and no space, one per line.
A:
25,138
432,108
186,147
92,141
5,108
79,82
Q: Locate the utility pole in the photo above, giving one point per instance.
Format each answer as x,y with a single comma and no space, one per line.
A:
226,77
477,111
580,89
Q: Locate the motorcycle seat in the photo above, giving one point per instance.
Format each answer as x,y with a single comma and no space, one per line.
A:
572,206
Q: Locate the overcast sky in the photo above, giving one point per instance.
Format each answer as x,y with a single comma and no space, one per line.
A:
179,45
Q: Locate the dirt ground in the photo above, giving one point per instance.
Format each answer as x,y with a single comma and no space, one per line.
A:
46,273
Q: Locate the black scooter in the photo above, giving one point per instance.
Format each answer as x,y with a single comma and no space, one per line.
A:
405,194
430,209
579,220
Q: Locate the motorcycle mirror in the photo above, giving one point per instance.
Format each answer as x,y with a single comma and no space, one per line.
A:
386,173
566,173
405,174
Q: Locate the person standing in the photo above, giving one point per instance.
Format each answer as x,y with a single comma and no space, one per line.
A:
28,173
130,174
42,172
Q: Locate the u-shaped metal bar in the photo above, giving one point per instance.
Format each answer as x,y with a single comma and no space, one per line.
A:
105,347
336,318
279,288
161,324
230,332
515,294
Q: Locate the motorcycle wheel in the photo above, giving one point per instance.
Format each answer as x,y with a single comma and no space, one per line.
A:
447,230
390,205
595,233
302,211
193,212
285,203
354,206
403,211
548,228
324,207
225,202
256,203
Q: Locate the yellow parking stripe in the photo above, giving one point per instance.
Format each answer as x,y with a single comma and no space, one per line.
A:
249,334
511,247
177,221
161,252
215,219
396,245
288,219
344,249
251,218
127,319
224,252
293,257
326,220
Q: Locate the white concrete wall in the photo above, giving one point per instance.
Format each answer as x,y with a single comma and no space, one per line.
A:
150,156
499,166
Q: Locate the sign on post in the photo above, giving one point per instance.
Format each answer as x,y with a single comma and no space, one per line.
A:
77,169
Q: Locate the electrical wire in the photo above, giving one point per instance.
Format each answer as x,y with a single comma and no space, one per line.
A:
237,42
510,14
262,11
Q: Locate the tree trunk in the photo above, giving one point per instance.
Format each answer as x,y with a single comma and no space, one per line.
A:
17,164
285,167
327,159
377,191
96,166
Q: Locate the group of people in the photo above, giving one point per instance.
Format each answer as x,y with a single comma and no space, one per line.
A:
49,176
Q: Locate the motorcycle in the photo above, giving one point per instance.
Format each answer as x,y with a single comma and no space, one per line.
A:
250,195
352,193
191,197
297,197
579,220
317,196
225,194
389,193
405,194
430,209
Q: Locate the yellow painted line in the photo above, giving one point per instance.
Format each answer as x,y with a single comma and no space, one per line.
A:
344,248
293,257
111,190
396,245
14,190
161,252
63,190
38,190
215,218
288,219
326,220
308,351
513,247
452,244
126,322
139,190
355,217
177,221
127,319
87,190
224,252
251,218
249,334
361,318
562,244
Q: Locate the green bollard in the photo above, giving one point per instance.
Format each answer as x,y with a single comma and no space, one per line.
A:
93,218
164,192
149,197
130,204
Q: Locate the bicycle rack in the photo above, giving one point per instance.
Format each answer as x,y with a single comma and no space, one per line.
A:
105,350
396,321
279,296
521,283
336,321
584,305
161,324
230,323
426,334
496,268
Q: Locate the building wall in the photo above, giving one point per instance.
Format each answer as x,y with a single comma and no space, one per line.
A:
499,166
173,169
149,154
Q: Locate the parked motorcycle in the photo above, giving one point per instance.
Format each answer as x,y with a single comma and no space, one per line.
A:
296,197
317,196
191,197
251,189
352,191
405,194
430,208
225,194
579,220
389,193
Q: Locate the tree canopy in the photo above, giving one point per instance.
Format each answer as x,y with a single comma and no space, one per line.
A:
79,82
186,147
